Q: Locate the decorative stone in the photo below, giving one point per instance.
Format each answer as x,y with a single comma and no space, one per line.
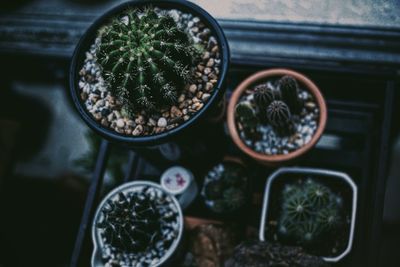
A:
205,97
162,122
193,88
175,112
138,130
120,123
210,62
209,86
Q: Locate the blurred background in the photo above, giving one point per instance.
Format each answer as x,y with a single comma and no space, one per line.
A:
47,153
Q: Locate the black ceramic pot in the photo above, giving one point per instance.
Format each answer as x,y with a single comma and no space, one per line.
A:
178,143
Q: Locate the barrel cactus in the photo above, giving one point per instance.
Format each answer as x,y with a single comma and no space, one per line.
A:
309,210
225,188
264,95
145,58
290,93
247,117
132,223
280,117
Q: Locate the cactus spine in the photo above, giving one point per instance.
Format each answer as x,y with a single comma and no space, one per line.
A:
145,58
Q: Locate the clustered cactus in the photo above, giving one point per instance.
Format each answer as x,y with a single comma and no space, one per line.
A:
274,106
146,59
134,223
309,210
225,187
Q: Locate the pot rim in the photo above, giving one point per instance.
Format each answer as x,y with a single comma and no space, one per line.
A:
87,39
327,173
127,187
262,75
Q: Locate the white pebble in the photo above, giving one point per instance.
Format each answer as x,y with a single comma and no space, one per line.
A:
162,122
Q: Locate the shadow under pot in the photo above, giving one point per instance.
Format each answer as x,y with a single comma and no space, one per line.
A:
276,115
148,73
311,208
137,224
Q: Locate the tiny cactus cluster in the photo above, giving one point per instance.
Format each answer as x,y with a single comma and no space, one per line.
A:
146,59
225,188
138,224
309,210
274,106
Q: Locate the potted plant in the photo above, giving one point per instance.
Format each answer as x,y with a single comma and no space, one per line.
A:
312,208
146,71
263,254
276,115
136,224
226,186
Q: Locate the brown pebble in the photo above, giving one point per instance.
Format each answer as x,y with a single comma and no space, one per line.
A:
104,122
151,122
193,88
205,97
214,81
210,62
199,94
200,68
139,119
175,112
119,130
195,100
209,86
206,55
130,123
138,130
181,98
84,96
110,117
128,131
215,49
97,116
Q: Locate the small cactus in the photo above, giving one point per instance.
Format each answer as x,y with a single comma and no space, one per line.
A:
236,198
145,58
225,188
263,96
290,93
280,117
309,210
247,116
131,223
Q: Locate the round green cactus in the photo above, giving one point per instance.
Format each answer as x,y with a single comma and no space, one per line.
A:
263,96
309,210
298,207
290,93
247,116
317,193
145,58
280,117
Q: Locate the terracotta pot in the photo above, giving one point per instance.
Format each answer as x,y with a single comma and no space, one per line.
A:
258,78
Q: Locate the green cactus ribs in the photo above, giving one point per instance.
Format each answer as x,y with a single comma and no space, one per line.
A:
309,211
146,59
